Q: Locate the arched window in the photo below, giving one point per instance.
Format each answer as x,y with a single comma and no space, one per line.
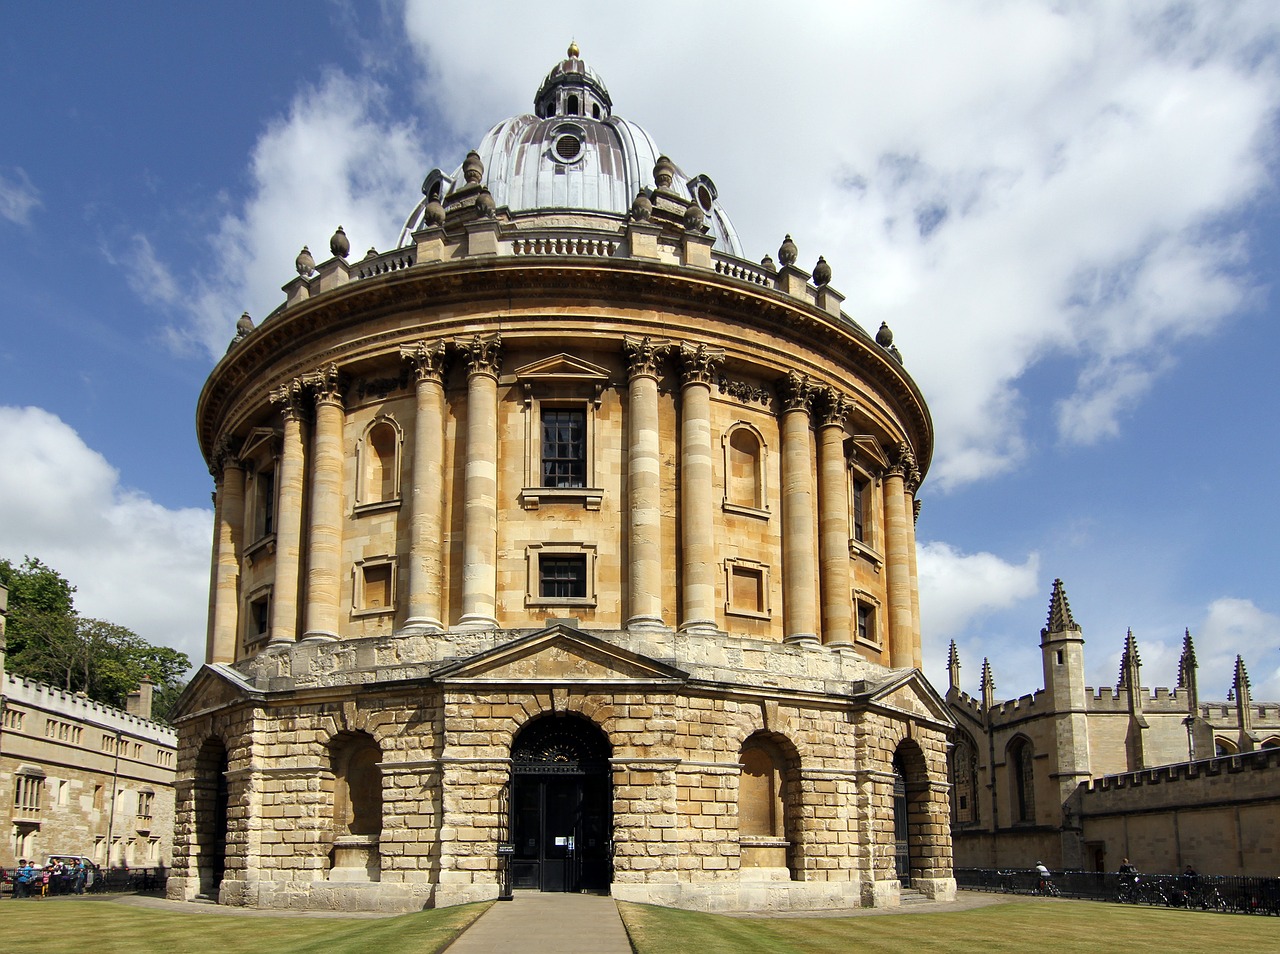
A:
1223,747
744,470
380,463
1271,743
1021,780
762,806
572,109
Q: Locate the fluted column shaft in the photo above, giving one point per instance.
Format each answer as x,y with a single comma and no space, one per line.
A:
426,527
284,592
697,499
799,572
644,485
228,530
324,543
898,571
833,522
480,479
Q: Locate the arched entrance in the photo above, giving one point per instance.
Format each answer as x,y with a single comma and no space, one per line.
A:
561,799
211,798
901,826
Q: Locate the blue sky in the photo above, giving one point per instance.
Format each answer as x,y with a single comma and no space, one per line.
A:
1067,213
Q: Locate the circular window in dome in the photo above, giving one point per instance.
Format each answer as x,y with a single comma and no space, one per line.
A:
704,197
568,147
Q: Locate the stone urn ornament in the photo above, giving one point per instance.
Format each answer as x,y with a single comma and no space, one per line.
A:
787,252
339,244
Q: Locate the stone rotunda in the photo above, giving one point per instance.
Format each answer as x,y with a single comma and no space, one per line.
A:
562,548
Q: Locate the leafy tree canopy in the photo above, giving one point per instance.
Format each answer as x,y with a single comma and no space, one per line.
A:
51,642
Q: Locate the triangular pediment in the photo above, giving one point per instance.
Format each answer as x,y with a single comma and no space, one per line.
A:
562,367
260,438
561,655
868,453
213,687
911,693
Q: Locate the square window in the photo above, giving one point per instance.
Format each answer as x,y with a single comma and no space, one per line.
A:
377,586
259,616
746,588
564,447
562,577
374,586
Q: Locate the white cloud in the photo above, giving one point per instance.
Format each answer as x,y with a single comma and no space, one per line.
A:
18,197
956,587
334,159
133,561
149,278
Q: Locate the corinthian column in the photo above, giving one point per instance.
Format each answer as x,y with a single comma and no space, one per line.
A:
913,512
697,500
284,592
228,524
644,513
480,513
426,528
799,576
324,543
833,521
902,633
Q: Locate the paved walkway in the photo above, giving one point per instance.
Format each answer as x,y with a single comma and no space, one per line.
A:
535,923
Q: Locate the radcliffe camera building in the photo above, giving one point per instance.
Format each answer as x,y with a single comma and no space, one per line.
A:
562,547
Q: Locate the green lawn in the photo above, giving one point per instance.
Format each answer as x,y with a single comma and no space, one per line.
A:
1038,927
74,926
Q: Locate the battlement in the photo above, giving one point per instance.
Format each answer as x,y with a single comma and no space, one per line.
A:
1157,700
1260,760
1019,706
55,701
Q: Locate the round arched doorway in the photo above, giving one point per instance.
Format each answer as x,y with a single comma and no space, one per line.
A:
561,799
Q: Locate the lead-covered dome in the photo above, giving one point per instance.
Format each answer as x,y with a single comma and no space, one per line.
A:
573,154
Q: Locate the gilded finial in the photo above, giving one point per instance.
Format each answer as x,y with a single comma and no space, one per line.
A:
573,49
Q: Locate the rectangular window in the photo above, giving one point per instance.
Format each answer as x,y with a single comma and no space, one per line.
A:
562,577
259,616
144,804
13,719
859,510
564,447
264,503
26,794
867,623
377,586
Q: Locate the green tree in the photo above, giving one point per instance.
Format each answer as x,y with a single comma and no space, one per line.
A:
50,642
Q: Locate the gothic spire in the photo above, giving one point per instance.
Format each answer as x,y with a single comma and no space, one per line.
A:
988,685
1244,705
1130,663
1060,618
953,666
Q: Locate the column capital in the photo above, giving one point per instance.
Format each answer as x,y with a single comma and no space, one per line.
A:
795,392
699,364
289,398
904,466
482,353
325,385
833,407
644,355
428,359
222,458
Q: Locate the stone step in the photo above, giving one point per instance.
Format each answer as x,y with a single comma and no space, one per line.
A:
913,896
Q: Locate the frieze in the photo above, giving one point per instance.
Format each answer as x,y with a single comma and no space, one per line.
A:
746,392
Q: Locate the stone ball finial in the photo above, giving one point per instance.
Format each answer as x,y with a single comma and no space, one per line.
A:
884,337
663,172
339,244
821,272
485,204
693,217
573,49
305,263
434,213
767,264
641,207
472,168
787,252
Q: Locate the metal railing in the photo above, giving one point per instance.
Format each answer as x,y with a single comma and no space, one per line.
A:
1227,893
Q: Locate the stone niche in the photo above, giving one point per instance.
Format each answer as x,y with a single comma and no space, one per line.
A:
357,808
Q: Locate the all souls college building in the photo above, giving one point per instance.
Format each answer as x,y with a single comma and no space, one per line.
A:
562,547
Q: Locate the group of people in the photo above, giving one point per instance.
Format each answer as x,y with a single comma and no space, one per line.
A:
57,877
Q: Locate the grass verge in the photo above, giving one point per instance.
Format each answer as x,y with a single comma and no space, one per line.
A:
74,926
1041,926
